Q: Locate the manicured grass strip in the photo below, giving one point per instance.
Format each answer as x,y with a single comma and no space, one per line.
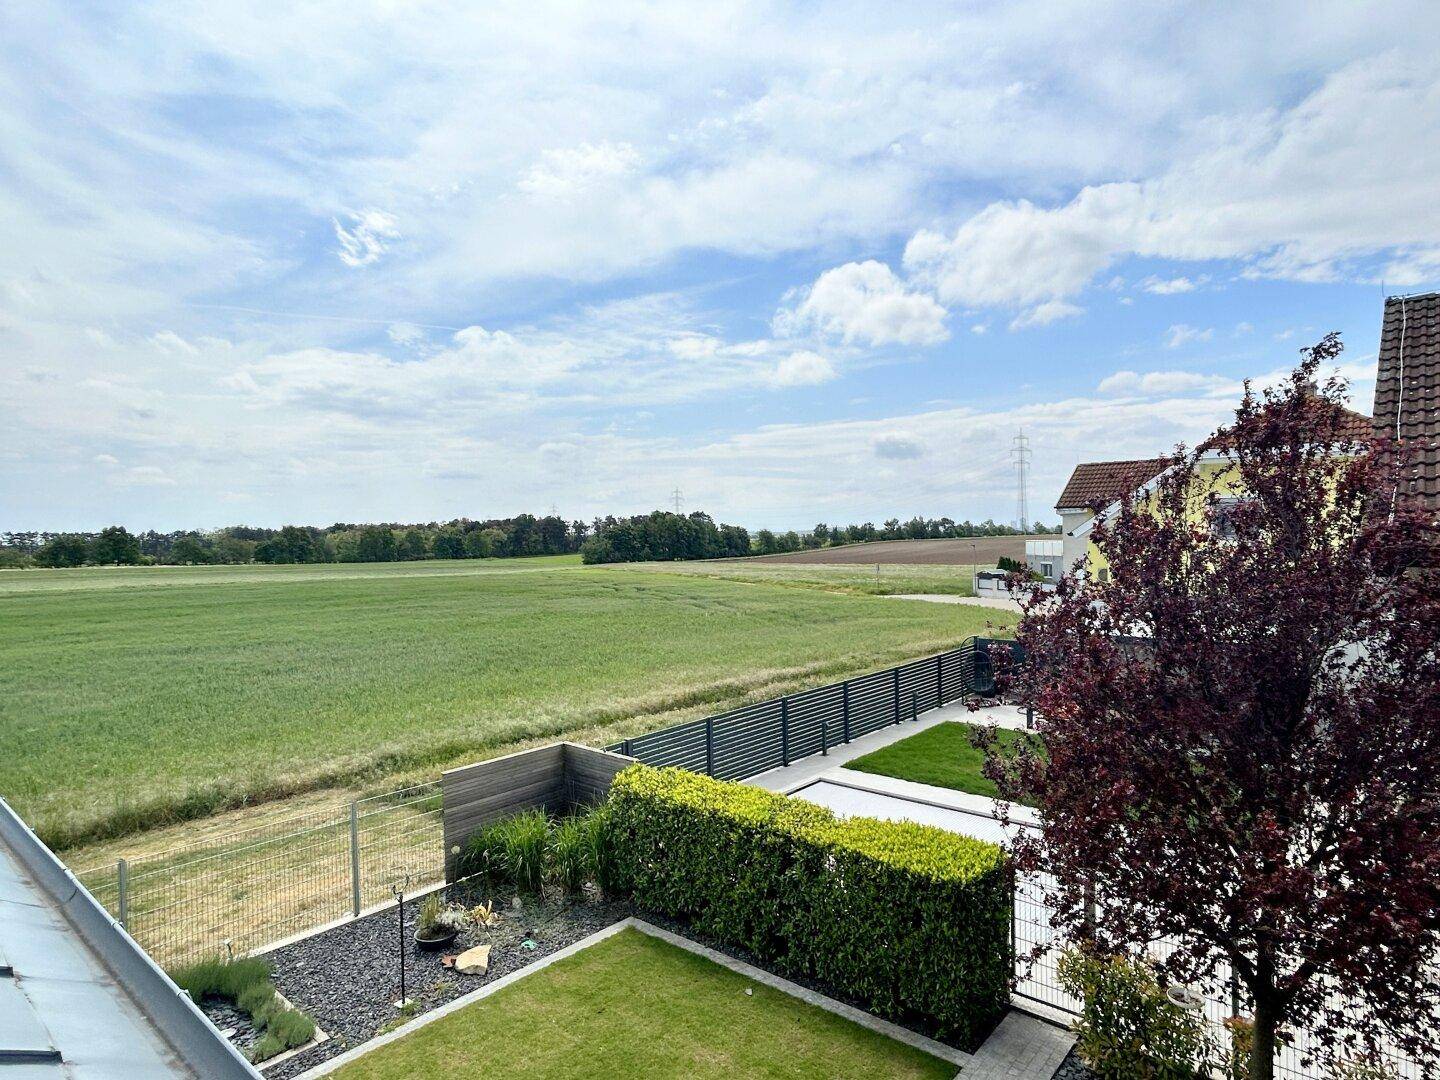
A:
941,756
635,1006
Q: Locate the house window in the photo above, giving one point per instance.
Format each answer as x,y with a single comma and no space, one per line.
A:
1047,571
1222,516
1103,575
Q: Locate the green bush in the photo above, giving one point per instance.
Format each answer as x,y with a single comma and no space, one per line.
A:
570,855
1128,1028
598,836
528,849
246,982
483,856
911,921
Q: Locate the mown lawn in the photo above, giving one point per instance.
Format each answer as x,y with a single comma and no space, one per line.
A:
130,698
941,756
633,1006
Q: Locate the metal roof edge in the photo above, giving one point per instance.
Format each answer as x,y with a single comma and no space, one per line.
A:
177,1019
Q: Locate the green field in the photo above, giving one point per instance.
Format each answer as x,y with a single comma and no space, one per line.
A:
131,698
886,579
633,1006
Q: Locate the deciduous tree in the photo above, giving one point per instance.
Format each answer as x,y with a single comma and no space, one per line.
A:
1242,728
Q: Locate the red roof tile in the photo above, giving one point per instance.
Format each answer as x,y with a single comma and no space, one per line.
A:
1407,388
1099,483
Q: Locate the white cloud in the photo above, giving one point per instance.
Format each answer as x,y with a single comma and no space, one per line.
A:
1045,314
1017,253
571,171
405,334
1169,286
1160,383
1181,334
1242,328
173,343
865,302
1290,193
803,368
106,459
980,328
367,238
898,447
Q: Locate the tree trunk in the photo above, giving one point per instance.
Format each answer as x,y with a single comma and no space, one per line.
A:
1262,1052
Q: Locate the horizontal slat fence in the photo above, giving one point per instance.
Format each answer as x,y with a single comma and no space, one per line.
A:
771,734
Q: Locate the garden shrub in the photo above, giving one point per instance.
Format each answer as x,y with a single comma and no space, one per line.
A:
570,855
1128,1028
246,982
909,920
529,849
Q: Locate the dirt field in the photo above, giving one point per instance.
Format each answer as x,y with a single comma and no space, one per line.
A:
981,551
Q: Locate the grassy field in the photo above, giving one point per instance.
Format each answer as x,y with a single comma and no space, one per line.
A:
132,698
633,1006
880,579
942,756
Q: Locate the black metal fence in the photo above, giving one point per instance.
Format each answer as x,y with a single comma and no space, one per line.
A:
771,734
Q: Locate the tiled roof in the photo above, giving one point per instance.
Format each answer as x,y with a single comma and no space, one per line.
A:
1410,344
1353,425
1097,483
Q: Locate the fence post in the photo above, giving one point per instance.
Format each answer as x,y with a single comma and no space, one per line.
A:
824,736
845,708
939,680
355,857
625,748
897,695
914,707
709,746
122,883
785,731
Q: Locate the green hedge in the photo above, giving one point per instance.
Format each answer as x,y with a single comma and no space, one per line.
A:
909,920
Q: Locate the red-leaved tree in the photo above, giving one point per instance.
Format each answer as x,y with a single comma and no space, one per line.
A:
1242,728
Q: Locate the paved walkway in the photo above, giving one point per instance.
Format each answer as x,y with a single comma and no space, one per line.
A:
1021,1048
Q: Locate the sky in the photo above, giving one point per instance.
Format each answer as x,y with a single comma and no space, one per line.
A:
385,261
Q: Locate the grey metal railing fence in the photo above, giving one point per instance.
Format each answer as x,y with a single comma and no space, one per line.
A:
260,885
771,734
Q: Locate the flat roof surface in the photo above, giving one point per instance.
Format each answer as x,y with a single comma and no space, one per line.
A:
59,998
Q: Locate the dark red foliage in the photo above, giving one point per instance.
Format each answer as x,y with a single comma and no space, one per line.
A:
1243,732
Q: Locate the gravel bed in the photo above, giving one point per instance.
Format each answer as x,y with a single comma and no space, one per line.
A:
1072,1068
348,979
234,1022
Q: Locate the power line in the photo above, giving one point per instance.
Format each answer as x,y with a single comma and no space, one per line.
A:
1020,454
675,497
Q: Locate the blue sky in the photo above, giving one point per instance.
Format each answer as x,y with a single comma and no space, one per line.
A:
354,261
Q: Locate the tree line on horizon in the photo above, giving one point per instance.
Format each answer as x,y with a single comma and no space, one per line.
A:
658,536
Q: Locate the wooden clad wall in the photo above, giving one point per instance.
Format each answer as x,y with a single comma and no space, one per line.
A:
589,771
553,778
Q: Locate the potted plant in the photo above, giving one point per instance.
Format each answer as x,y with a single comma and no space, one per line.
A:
438,925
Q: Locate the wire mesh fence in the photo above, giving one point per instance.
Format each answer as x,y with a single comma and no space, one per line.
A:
1038,948
264,884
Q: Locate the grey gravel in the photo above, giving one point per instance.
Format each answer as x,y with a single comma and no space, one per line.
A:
348,979
1072,1068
